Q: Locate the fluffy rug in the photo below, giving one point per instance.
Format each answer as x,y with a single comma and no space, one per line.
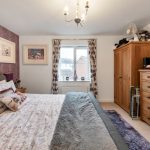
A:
134,140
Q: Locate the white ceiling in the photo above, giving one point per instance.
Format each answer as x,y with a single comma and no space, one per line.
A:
45,17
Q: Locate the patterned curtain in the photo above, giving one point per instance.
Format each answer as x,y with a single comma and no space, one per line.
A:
55,55
92,54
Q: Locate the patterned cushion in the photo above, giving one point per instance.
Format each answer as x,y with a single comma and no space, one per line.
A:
3,94
2,107
11,103
17,98
22,95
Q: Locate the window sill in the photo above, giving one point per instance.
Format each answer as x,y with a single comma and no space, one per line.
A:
75,81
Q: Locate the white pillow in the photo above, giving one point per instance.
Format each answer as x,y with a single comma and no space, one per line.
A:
3,81
7,92
12,85
7,85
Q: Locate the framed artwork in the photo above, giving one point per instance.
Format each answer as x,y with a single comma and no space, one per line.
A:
7,51
35,54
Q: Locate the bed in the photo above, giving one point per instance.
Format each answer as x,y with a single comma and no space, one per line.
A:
73,121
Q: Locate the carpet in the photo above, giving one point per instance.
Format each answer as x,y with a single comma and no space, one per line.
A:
134,140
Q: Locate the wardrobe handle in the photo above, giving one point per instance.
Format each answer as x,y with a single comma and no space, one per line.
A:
148,97
148,86
120,77
148,76
148,107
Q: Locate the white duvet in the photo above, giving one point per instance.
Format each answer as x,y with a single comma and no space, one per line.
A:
32,126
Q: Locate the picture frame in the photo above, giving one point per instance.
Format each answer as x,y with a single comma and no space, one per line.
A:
35,54
7,51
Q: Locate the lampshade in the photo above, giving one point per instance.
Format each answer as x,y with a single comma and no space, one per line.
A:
79,15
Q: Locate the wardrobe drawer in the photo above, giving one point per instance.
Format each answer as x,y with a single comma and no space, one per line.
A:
146,96
145,86
146,106
145,76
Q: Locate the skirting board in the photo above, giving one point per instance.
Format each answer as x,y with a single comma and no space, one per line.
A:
105,100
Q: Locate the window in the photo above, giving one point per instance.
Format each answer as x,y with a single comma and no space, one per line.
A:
74,64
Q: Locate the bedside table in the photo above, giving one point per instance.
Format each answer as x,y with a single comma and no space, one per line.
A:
22,90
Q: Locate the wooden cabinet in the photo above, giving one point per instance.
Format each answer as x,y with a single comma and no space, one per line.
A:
128,59
145,95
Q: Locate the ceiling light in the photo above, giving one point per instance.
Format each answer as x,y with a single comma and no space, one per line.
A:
79,18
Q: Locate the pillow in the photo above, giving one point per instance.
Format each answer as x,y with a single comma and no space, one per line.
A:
6,92
12,85
10,103
22,95
3,81
2,107
2,77
5,86
17,98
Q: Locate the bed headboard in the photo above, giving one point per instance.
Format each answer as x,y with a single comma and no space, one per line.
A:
2,77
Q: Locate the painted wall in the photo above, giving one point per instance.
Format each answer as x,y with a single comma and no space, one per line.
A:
5,67
37,78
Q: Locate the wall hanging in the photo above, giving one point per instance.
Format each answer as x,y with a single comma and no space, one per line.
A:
7,51
35,54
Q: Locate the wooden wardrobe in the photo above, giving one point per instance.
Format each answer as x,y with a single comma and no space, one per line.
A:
128,59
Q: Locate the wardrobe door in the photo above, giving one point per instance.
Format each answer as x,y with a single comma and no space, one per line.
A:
126,71
118,77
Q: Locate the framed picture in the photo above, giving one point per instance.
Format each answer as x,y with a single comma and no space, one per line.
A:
35,54
7,51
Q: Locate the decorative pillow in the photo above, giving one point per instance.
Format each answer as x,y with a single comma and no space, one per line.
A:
6,92
22,95
10,103
11,100
16,98
2,107
7,85
12,85
3,81
2,77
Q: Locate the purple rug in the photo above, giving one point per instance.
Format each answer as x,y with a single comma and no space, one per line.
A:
134,140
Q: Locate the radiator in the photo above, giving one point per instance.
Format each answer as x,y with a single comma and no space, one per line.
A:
73,87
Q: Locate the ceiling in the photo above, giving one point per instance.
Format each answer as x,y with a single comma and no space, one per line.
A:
45,17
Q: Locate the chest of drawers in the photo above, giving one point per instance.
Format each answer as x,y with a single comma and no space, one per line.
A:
145,95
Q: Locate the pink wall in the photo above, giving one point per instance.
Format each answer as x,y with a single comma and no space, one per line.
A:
5,67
